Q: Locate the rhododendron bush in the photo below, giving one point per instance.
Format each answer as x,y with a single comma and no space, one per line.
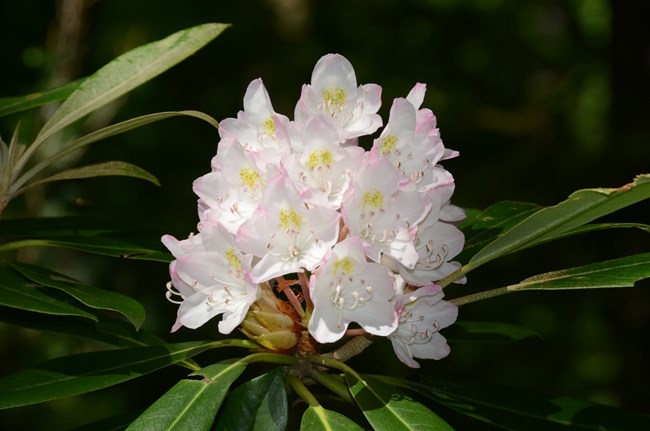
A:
318,234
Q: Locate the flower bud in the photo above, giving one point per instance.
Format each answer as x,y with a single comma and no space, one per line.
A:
272,322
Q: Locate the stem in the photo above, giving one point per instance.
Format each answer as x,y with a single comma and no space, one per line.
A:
333,384
271,358
331,363
459,273
350,349
481,296
355,332
302,391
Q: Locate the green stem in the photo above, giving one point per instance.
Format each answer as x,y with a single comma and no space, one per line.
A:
272,358
334,384
481,296
331,363
459,273
302,391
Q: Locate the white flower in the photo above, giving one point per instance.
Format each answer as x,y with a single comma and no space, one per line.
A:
333,95
422,314
285,234
211,279
347,288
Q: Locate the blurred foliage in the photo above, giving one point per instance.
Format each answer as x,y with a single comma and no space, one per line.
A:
538,97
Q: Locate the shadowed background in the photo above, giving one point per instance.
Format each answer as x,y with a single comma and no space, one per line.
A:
541,98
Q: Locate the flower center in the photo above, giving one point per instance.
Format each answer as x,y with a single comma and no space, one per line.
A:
373,198
250,177
290,218
388,144
268,126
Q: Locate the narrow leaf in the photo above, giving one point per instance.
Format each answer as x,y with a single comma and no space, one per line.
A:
86,372
96,245
18,292
106,330
191,404
90,296
316,418
127,72
387,408
580,208
517,410
622,272
259,404
98,170
104,133
486,332
11,105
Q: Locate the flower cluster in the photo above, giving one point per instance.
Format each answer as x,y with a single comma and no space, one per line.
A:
361,235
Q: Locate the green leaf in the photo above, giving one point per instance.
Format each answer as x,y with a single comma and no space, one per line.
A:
192,403
97,245
90,296
548,223
387,408
487,225
127,72
106,330
11,105
113,423
518,410
86,372
43,227
103,134
486,332
316,418
91,171
622,272
18,292
259,404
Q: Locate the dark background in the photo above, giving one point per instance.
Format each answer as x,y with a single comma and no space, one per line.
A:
541,98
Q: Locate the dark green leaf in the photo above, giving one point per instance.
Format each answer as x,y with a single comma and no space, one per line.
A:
484,227
86,372
11,105
388,408
97,245
18,292
91,296
580,208
43,227
622,272
518,410
92,171
259,404
191,404
320,419
107,330
486,332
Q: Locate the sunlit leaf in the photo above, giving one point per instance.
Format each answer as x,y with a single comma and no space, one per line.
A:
259,404
127,72
11,105
192,403
580,208
622,272
18,292
320,419
517,410
114,168
388,408
486,332
90,296
105,133
87,372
